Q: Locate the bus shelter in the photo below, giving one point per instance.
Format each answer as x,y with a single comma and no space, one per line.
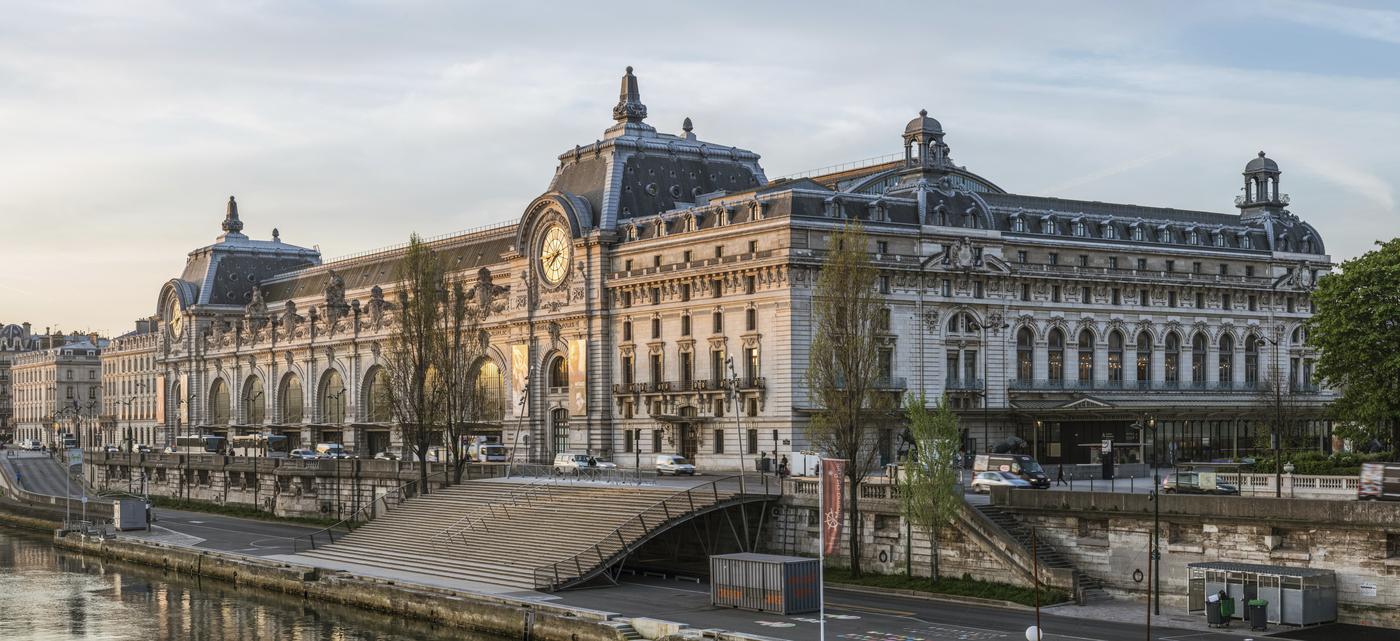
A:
1296,596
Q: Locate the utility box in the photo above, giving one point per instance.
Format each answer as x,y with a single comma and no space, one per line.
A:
765,583
129,514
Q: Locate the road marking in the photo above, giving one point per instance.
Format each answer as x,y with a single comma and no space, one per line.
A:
775,624
872,610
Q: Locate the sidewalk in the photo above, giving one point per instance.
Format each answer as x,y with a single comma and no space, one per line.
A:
1134,612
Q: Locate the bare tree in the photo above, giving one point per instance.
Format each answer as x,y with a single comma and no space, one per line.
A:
415,391
844,370
459,348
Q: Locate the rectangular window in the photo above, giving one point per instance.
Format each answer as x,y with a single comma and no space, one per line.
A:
716,367
719,441
656,440
1113,262
751,319
1021,257
882,247
884,319
627,265
884,284
1225,302
1290,304
685,325
1142,297
656,260
1200,301
1054,258
753,442
717,320
977,289
753,247
1085,295
626,299
719,251
656,328
627,437
1196,267
719,408
685,256
628,365
1224,269
750,284
1083,260
656,296
685,291
687,369
751,363
655,369
751,408
1171,299
716,288
1025,291
947,287
1249,271
1171,266
1253,303
1055,294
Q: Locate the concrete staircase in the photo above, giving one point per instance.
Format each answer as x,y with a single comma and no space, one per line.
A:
538,536
1090,589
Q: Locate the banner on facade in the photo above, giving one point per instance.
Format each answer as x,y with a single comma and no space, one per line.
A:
519,372
160,399
578,377
833,515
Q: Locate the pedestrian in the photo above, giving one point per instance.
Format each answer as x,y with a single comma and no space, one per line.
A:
783,470
1060,476
763,462
19,479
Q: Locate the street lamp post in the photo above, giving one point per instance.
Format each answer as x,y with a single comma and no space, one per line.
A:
739,432
184,456
986,384
257,482
1154,558
519,424
1278,413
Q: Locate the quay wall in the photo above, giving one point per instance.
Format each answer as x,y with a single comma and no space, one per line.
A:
510,618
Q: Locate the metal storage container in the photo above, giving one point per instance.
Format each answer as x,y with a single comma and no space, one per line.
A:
765,583
129,514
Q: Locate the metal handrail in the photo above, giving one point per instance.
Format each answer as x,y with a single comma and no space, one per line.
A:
474,518
552,570
348,522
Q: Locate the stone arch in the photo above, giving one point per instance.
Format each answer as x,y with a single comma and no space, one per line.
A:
220,407
291,399
490,389
556,367
374,396
330,397
254,400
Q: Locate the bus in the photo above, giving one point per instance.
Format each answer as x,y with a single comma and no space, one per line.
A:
268,445
203,444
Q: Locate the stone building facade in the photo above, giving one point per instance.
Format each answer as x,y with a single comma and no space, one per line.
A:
129,397
14,340
657,298
58,391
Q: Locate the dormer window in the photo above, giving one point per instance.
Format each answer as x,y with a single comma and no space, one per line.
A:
1018,224
1079,229
1246,243
1193,238
1220,240
1164,235
1047,226
1109,231
1137,233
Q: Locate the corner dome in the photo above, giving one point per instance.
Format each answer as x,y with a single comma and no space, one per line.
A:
923,124
1259,164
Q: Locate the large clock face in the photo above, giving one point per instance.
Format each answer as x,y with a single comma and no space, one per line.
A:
174,320
555,255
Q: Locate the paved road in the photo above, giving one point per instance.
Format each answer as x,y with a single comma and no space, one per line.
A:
39,474
227,533
856,616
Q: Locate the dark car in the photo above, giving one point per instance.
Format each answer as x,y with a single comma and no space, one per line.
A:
1021,465
1194,483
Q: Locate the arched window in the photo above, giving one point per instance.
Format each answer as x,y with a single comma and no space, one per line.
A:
293,399
1198,358
559,372
254,401
1137,233
377,407
1079,229
1086,355
1025,359
1251,360
1227,359
218,403
490,391
1115,356
332,397
1056,358
1173,364
1144,359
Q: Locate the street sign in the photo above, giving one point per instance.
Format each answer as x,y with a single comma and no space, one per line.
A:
84,499
75,456
1106,446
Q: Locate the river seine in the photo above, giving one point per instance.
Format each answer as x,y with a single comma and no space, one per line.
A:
47,594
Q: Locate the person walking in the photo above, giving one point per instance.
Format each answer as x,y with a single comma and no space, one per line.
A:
763,462
1060,475
783,470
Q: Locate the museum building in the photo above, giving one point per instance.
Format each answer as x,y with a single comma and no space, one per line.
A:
656,298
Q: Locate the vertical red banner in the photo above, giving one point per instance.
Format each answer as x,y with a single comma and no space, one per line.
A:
833,512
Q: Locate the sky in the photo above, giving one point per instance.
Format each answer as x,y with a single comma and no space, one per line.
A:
125,126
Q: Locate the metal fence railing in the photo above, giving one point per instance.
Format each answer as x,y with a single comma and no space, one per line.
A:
616,475
380,505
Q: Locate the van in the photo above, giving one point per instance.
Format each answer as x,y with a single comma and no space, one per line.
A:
487,452
673,464
1379,482
331,450
1021,465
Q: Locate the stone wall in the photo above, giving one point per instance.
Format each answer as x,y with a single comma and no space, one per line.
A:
1108,537
284,487
972,547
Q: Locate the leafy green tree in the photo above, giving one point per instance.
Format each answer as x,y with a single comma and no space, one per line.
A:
844,369
933,497
1357,330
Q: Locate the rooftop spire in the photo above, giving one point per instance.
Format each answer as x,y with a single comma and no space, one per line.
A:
629,101
232,224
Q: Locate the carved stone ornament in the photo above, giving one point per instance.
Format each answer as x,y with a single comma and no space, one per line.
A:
257,307
554,330
931,320
290,319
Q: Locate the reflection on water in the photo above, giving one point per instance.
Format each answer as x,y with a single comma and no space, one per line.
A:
47,594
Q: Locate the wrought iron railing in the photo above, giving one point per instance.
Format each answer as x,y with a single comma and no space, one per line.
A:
1185,386
550,577
370,510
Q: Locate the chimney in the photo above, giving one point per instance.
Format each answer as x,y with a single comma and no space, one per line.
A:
26,329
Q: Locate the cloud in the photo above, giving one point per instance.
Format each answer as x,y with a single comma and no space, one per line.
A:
1372,24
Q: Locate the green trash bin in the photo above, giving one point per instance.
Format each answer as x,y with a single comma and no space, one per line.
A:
1257,612
1227,610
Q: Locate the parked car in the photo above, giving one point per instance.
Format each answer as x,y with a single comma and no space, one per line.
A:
575,463
35,446
144,449
673,464
304,454
111,449
1196,483
331,450
386,455
985,481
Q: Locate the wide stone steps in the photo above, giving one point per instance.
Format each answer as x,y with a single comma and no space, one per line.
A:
1090,587
510,530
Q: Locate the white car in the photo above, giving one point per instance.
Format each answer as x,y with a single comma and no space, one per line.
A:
984,481
303,454
579,464
673,464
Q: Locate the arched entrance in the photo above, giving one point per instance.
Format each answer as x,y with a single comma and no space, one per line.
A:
689,440
559,430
